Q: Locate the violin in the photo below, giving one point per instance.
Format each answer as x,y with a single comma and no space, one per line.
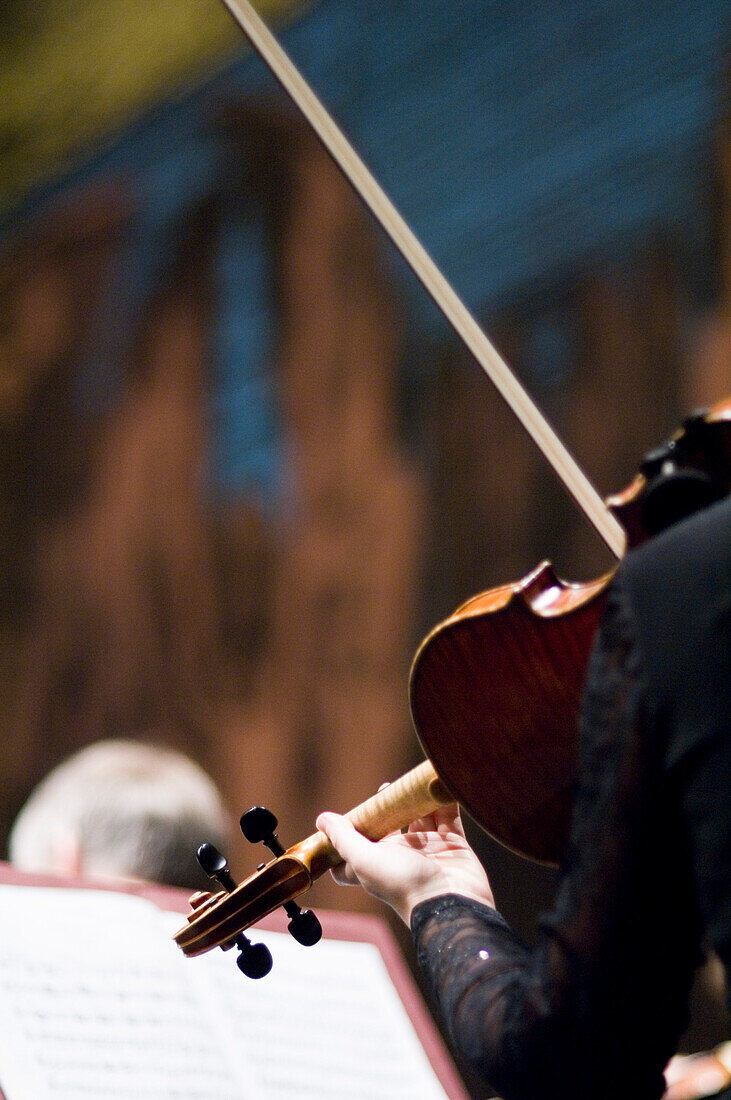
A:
495,692
495,689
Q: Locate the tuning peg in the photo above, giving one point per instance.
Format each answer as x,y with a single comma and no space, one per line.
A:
258,825
303,924
254,959
214,864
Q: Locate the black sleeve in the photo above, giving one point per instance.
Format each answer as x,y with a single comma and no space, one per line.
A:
596,1009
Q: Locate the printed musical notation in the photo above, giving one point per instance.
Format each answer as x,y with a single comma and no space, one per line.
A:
97,1003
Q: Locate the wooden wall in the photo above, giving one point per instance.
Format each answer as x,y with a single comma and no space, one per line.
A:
275,648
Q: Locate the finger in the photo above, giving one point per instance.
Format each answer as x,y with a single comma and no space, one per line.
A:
430,823
345,839
449,819
443,817
344,875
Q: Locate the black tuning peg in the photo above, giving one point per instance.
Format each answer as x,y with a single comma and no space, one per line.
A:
303,924
254,959
258,826
214,864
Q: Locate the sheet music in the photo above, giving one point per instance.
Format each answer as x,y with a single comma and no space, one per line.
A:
97,1003
325,1024
94,1004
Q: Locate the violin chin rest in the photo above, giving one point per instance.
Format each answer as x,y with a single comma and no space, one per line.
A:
673,496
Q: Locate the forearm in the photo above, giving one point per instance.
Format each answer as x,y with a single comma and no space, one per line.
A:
524,1020
475,967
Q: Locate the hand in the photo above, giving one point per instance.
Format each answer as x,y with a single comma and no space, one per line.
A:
431,858
689,1076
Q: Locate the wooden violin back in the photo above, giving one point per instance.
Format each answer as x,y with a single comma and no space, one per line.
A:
495,693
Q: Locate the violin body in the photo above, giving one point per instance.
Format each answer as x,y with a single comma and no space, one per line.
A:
495,693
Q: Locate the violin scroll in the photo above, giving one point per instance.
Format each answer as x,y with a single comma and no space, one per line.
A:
254,960
258,825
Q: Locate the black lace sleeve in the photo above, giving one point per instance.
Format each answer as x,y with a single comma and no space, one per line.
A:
595,1010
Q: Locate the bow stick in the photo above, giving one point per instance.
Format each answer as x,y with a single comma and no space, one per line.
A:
388,217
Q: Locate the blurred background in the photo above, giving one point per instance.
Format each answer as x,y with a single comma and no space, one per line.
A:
245,464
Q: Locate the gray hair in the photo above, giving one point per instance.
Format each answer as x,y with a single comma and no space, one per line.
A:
135,810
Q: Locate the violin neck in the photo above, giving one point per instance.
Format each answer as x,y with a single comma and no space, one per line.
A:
415,794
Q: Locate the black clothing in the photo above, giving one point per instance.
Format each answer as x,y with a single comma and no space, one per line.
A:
597,1008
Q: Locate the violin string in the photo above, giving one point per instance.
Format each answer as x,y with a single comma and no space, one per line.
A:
467,328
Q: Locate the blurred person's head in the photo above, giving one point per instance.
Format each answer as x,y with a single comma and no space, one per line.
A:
120,809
